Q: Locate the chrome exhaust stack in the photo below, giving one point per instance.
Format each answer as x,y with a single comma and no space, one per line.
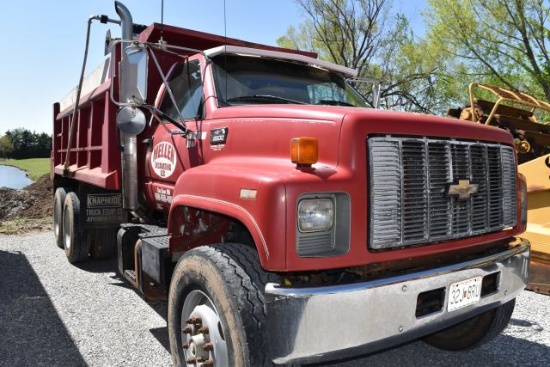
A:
127,23
130,119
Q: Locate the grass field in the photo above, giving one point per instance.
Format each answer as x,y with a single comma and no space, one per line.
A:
35,167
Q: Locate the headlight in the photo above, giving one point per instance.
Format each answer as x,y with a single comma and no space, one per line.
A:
315,215
323,224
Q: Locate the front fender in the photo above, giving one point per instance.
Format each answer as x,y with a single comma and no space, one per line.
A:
253,197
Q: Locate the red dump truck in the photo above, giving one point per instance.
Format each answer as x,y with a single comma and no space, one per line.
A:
283,218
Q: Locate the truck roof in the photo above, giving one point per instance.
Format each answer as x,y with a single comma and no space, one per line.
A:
230,49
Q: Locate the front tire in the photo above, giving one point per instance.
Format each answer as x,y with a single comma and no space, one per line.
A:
216,307
473,332
76,247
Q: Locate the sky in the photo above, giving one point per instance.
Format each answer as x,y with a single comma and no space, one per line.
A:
44,40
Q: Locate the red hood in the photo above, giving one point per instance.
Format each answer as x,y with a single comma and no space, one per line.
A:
265,131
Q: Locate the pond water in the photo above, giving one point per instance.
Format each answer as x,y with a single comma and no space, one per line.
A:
13,177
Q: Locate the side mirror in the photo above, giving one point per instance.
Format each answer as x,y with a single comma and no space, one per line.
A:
131,120
133,75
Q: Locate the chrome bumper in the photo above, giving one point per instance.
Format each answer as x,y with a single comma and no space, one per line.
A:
317,324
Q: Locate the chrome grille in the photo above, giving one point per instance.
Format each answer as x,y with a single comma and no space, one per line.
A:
409,184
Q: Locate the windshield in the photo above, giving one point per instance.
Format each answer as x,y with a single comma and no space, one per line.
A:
242,80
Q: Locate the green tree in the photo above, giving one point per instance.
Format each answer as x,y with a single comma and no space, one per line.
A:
503,42
6,146
27,144
44,145
365,35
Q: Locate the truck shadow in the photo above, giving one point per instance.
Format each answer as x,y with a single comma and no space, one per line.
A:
160,307
31,331
503,351
161,334
101,266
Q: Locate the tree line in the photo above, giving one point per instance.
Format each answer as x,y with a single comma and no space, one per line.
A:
22,144
502,42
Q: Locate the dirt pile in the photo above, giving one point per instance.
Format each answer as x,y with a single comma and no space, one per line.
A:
31,202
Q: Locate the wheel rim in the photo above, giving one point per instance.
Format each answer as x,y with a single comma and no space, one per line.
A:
67,232
203,342
56,219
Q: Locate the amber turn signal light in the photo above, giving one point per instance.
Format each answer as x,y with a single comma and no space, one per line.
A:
304,151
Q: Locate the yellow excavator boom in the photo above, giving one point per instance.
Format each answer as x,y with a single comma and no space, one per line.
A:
537,173
528,120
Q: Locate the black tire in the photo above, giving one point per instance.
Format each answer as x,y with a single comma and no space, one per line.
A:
228,282
58,202
75,245
473,332
102,242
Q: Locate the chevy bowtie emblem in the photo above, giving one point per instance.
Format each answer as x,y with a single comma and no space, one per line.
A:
464,189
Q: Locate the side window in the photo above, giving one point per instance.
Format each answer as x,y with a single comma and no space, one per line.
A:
186,85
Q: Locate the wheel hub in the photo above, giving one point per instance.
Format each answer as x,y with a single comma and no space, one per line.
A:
203,340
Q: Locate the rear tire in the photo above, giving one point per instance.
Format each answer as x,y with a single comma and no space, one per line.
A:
473,332
224,287
76,246
58,202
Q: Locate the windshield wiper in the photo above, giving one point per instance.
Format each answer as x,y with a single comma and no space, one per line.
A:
180,125
331,102
263,97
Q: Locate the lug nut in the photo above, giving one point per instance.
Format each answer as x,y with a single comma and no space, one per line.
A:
208,346
203,330
187,330
192,360
194,320
208,363
185,345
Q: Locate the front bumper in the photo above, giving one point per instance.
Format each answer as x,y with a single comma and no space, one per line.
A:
317,324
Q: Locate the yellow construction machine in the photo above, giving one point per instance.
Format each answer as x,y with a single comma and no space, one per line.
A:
528,120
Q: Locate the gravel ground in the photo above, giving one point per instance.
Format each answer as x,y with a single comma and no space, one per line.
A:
56,314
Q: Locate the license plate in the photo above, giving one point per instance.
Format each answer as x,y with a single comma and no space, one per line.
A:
465,293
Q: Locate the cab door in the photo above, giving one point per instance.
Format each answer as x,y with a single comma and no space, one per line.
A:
168,153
